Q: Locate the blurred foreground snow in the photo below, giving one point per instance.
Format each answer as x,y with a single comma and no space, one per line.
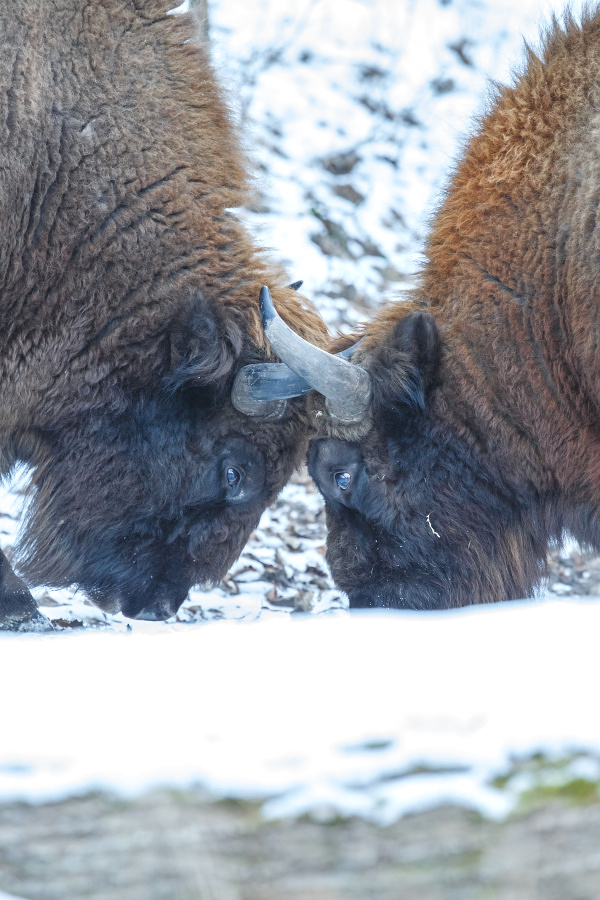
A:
363,714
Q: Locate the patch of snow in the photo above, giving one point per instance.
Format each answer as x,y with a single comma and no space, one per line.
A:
12,505
395,86
179,10
559,588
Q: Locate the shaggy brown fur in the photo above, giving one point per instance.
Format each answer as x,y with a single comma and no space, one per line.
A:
128,300
484,443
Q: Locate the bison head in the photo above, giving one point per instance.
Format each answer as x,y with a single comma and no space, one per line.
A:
424,508
158,488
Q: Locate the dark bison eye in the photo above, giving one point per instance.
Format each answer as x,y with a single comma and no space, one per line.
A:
234,476
343,479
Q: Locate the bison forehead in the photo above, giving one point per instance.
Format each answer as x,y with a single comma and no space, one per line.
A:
324,425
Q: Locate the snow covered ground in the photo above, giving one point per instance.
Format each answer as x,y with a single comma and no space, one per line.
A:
363,714
353,111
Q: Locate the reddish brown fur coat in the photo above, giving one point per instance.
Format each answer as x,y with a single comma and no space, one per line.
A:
512,283
513,272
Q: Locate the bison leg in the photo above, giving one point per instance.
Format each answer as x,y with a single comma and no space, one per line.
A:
18,609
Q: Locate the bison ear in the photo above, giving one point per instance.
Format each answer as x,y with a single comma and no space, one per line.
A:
417,336
204,347
407,363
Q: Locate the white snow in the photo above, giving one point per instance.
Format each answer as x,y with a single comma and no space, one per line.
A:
369,714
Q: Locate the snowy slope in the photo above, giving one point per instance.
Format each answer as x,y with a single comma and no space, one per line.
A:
355,110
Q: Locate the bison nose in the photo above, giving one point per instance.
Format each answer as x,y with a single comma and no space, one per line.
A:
158,610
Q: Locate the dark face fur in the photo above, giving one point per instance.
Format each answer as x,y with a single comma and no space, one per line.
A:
418,518
137,510
138,505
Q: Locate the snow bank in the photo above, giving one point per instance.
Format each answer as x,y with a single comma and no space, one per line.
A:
394,84
368,714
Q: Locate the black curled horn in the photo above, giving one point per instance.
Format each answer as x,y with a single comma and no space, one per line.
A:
262,389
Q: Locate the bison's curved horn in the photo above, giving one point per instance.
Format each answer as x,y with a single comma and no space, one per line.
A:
259,388
347,387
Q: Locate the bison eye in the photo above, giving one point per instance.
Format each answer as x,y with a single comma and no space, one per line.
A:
234,476
343,479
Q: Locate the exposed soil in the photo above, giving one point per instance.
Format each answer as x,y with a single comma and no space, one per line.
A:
183,846
574,573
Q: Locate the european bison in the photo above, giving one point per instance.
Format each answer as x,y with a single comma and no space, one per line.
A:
128,305
476,440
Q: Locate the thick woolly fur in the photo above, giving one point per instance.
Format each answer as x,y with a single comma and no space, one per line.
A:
128,301
484,441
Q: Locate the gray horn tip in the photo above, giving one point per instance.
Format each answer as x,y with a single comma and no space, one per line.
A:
266,307
347,386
